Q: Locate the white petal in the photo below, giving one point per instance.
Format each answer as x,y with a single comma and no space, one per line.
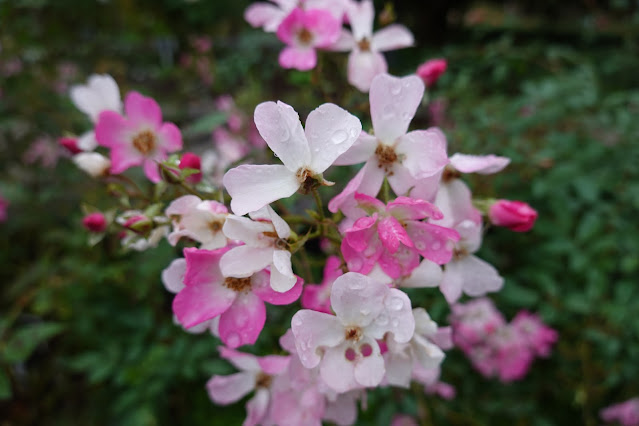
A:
480,277
225,390
252,187
357,299
280,225
282,277
87,141
428,354
330,131
314,330
182,205
482,164
424,151
363,67
280,126
247,230
393,104
361,150
244,261
173,275
392,37
345,42
427,274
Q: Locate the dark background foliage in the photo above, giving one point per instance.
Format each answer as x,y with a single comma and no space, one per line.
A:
86,335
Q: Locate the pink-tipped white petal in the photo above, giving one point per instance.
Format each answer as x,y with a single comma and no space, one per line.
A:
252,187
244,261
392,37
226,390
330,131
393,102
143,111
280,126
434,242
262,288
357,299
363,67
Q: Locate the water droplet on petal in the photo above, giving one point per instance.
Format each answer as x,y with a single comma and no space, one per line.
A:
297,322
436,245
396,88
382,320
353,132
395,322
395,303
339,136
420,245
365,311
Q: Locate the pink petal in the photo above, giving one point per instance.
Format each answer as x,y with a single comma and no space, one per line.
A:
452,283
244,261
360,236
282,130
122,158
342,411
392,37
112,130
392,234
300,58
323,25
362,261
363,67
240,360
170,137
243,322
226,390
262,288
401,180
369,204
455,201
399,264
289,27
330,131
393,104
482,164
152,170
313,330
274,364
198,303
182,205
143,111
357,299
425,152
202,266
252,187
405,208
434,242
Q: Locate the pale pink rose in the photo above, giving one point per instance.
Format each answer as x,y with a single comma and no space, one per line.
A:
514,215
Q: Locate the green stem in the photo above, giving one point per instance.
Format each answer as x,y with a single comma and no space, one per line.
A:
320,206
385,191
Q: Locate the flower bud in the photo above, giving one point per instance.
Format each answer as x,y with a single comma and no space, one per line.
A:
4,205
431,70
515,215
139,224
71,144
92,163
95,222
191,161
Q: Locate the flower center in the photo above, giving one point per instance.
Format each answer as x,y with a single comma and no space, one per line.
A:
460,253
305,36
144,142
238,284
386,157
306,180
263,380
450,174
364,45
353,334
215,226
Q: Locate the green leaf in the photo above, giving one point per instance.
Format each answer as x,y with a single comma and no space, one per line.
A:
205,124
24,340
5,385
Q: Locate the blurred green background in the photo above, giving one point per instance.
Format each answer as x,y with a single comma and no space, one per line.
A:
86,335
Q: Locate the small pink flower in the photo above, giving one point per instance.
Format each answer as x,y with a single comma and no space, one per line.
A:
431,70
70,144
199,220
140,138
626,413
514,215
239,302
539,336
95,222
303,31
191,161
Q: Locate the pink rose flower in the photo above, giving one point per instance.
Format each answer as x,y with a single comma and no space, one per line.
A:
515,215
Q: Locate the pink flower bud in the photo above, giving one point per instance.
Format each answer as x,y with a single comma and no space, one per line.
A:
71,144
431,70
95,222
515,215
191,161
139,224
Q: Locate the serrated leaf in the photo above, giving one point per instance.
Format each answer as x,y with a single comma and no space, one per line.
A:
24,340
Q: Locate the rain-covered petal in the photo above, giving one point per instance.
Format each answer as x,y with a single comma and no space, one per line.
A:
202,266
261,283
367,181
392,234
361,150
427,274
479,277
405,208
424,151
143,111
395,317
434,242
392,37
280,126
243,322
337,371
393,102
455,201
254,186
330,131
357,299
282,277
313,330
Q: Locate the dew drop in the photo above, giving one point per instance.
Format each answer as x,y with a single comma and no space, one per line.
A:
365,311
396,88
241,320
339,136
382,320
420,245
436,245
395,322
353,132
233,340
297,322
394,303
405,116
